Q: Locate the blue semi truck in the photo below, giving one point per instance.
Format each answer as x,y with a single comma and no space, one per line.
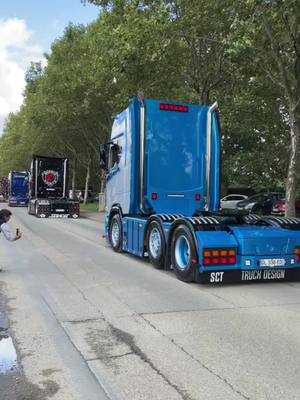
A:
162,170
18,188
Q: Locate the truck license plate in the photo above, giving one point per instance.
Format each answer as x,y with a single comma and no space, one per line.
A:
272,262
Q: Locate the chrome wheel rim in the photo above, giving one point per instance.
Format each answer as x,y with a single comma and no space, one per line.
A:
115,234
182,252
155,243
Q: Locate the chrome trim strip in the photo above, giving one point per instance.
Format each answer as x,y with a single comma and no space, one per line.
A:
208,152
142,153
36,178
65,178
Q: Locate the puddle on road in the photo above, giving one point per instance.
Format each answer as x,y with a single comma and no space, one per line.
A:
8,355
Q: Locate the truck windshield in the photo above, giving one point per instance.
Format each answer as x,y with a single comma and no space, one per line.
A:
20,185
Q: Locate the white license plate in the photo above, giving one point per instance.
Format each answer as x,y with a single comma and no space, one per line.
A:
272,262
59,210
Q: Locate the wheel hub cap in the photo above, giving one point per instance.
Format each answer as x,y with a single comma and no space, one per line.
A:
182,252
155,243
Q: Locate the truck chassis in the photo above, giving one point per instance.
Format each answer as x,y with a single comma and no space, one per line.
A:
204,249
45,208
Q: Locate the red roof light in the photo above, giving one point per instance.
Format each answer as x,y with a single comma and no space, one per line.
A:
173,107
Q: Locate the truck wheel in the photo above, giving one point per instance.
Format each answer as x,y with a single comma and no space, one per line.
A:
36,213
156,245
183,254
115,233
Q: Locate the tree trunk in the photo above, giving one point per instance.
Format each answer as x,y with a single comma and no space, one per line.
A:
87,181
291,181
74,178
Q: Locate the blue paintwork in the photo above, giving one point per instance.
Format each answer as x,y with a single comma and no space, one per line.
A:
175,166
175,158
175,170
133,235
119,177
18,188
252,244
263,240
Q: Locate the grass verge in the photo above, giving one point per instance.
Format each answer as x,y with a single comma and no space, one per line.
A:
89,207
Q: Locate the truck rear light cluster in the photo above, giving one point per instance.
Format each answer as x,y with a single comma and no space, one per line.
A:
154,196
173,107
213,257
43,209
197,197
297,253
74,206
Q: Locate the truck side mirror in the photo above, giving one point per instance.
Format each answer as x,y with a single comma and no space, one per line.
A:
103,159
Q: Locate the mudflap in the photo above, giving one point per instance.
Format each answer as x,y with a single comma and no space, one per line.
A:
242,276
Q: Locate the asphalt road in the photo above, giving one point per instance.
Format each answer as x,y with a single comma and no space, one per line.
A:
92,324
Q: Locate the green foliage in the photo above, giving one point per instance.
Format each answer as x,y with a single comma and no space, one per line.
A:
183,50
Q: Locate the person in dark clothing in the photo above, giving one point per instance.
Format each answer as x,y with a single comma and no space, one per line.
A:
5,228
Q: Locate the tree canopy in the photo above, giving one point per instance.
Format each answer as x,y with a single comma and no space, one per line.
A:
244,54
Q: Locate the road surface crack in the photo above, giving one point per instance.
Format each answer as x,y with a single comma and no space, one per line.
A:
128,339
237,391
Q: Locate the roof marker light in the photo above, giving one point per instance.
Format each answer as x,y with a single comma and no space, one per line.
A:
173,107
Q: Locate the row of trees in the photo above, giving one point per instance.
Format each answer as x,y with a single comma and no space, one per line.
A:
244,54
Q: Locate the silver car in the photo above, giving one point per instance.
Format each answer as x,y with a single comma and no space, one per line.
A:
230,201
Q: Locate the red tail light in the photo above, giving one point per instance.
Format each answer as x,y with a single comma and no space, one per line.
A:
154,196
197,197
220,257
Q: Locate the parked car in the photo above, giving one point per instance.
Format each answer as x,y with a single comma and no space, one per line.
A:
261,203
279,207
231,200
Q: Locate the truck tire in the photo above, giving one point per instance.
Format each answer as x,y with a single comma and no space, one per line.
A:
183,254
115,233
156,245
36,213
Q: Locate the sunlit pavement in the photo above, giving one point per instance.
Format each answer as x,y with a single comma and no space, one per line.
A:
91,324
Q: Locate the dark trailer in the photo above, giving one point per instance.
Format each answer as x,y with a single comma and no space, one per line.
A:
49,188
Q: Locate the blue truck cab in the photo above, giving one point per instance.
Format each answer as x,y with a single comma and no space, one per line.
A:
18,188
162,170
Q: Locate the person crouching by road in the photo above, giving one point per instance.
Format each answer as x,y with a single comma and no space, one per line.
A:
5,228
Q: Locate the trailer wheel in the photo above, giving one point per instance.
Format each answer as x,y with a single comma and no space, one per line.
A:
115,233
183,254
156,245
